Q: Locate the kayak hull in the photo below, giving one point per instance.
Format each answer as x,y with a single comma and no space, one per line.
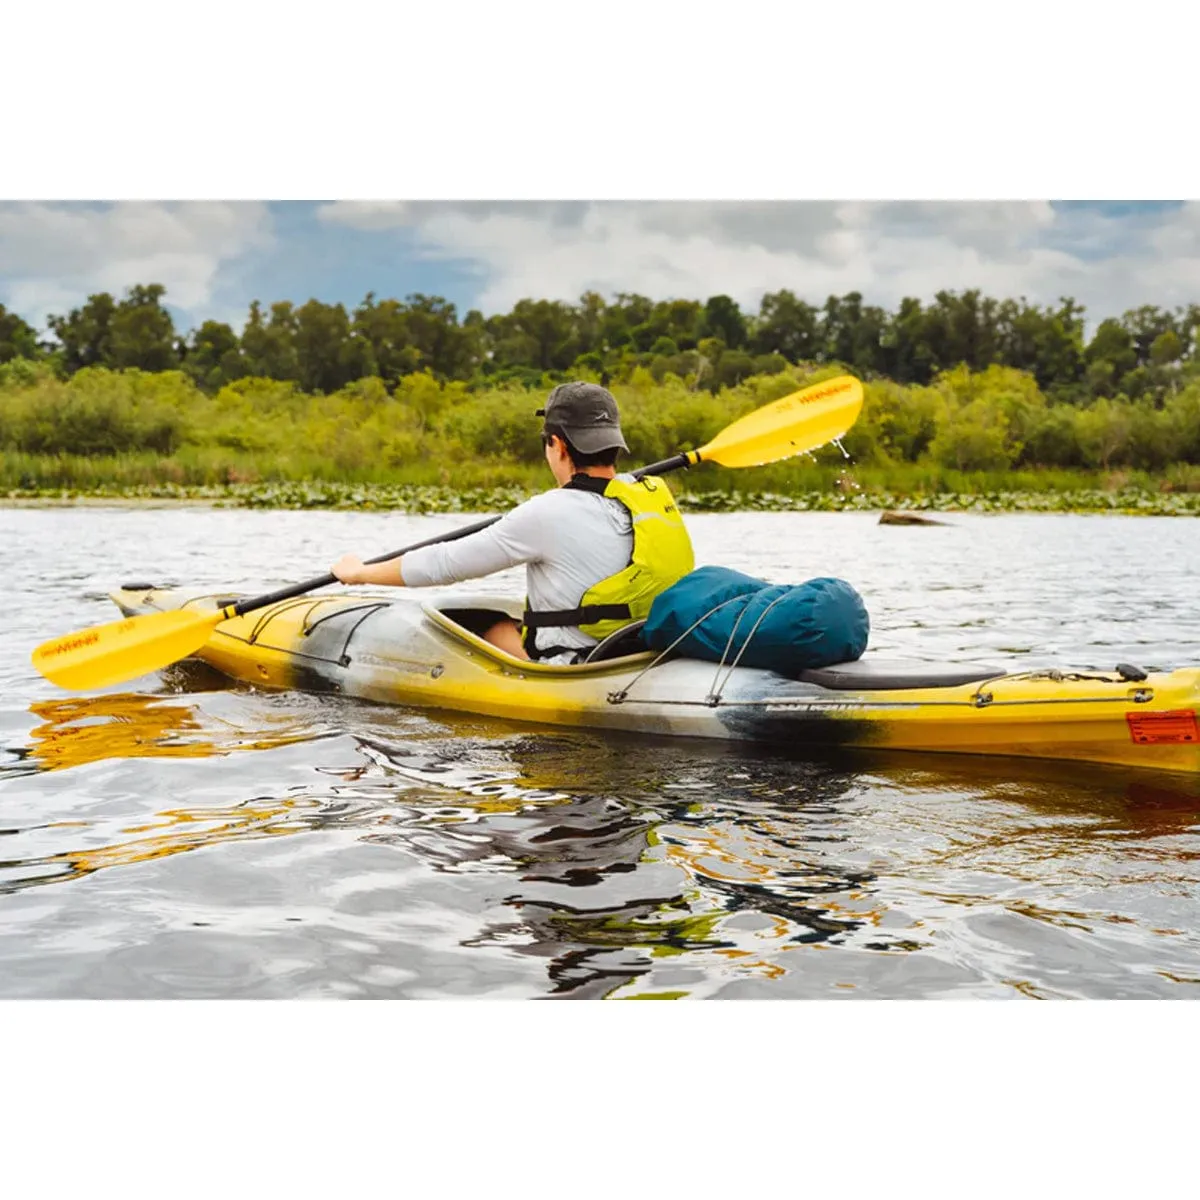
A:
404,652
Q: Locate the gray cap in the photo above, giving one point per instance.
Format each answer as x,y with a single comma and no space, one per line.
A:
587,414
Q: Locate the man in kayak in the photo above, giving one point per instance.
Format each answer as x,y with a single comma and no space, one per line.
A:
597,548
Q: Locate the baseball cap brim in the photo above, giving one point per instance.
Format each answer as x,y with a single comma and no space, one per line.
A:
591,439
594,438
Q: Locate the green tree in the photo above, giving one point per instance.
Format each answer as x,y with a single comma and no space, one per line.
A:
269,346
1048,343
213,356
1188,326
723,319
17,339
974,438
1182,415
590,323
622,317
1103,430
905,353
866,355
381,330
681,321
839,317
1150,446
903,421
709,353
142,333
732,367
788,326
1167,348
1145,325
85,333
1110,356
538,333
448,349
962,329
327,356
1052,441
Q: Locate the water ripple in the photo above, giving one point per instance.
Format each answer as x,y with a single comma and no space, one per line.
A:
180,836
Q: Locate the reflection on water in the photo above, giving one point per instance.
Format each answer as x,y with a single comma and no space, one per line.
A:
87,729
689,871
336,848
728,873
172,831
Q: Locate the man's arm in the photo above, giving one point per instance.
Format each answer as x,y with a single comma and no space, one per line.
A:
519,537
351,569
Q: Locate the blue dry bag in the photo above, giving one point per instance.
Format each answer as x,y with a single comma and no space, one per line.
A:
791,627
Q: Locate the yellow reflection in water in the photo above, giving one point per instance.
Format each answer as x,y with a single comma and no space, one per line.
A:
177,830
88,729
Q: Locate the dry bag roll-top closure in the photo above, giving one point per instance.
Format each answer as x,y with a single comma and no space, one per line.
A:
662,554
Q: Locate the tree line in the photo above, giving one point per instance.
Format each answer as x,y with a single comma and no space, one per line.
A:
712,344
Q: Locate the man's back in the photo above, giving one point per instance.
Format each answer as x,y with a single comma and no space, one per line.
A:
569,540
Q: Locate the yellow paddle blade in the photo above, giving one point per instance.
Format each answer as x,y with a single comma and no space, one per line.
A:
121,650
802,421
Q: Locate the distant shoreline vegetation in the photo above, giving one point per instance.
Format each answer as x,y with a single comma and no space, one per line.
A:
970,403
1124,500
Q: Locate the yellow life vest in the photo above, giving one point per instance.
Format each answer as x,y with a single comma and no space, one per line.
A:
662,554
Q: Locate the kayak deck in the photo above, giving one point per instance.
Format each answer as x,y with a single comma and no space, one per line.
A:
400,651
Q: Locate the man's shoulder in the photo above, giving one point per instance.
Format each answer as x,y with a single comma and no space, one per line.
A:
545,506
554,498
569,505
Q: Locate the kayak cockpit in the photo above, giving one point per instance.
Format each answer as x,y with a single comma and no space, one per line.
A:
467,623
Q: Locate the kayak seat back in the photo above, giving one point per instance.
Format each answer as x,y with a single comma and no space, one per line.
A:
882,675
626,640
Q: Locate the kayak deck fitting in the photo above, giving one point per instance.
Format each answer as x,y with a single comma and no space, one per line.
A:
398,650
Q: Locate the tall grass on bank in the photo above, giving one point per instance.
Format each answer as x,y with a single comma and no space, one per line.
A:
990,434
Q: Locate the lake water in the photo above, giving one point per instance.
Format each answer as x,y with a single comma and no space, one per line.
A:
181,836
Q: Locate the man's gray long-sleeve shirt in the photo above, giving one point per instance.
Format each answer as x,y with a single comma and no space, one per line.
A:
568,540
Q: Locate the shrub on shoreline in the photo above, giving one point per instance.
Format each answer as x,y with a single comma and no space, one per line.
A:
991,433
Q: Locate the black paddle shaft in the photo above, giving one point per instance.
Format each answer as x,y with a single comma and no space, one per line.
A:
311,585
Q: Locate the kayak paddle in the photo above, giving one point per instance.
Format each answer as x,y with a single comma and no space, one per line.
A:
134,646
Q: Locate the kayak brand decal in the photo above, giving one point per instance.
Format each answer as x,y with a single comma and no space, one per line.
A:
1178,726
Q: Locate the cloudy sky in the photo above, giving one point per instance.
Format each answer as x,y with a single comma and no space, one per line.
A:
215,257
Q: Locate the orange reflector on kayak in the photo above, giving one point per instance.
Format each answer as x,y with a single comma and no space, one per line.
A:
1155,728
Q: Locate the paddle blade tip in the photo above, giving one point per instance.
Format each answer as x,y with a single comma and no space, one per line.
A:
794,424
121,650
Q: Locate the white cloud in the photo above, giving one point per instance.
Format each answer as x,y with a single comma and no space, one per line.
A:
53,255
885,250
368,215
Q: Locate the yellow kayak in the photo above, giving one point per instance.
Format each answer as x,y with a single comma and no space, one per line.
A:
394,649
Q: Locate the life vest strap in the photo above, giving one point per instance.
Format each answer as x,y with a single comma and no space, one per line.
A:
584,615
536,654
